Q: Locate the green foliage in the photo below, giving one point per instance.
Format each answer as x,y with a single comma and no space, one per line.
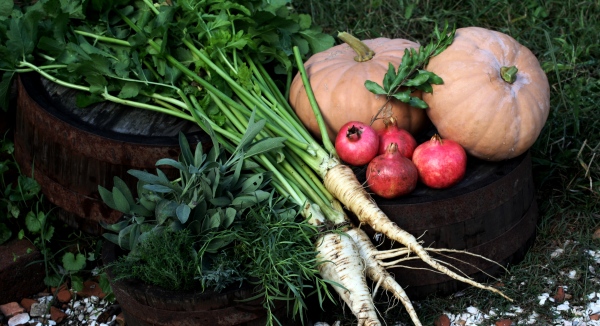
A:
282,260
19,198
565,157
24,211
410,75
123,61
166,259
212,192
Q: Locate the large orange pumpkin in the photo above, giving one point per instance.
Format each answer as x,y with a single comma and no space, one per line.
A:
338,76
495,98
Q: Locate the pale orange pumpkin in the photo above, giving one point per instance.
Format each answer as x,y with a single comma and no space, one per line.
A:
495,98
338,76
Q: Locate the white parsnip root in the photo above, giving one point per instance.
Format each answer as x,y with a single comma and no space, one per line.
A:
343,184
342,264
378,274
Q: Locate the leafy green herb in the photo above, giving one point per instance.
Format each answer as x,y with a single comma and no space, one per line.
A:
410,75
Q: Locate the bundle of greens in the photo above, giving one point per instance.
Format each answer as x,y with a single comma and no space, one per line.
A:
218,63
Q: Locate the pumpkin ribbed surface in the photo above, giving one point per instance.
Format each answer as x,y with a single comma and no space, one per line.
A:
492,118
338,84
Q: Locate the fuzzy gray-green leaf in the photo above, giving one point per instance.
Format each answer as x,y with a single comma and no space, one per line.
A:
121,202
183,213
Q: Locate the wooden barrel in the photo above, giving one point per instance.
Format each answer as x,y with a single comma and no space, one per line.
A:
72,150
492,212
149,305
7,116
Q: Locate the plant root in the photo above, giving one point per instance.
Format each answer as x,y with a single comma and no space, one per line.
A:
340,262
380,275
342,183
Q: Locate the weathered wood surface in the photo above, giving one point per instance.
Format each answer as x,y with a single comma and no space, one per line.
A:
71,150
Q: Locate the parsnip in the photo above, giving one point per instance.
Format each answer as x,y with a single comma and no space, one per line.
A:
341,263
342,183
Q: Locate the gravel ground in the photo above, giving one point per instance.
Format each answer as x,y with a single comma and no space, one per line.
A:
98,312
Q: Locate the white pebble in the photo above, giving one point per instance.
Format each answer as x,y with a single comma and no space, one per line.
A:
557,253
572,274
543,297
19,319
563,306
472,310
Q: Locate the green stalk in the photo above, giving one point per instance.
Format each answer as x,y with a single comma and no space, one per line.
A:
104,38
313,102
52,78
48,67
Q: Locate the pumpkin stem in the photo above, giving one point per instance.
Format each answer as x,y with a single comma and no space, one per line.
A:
364,53
509,74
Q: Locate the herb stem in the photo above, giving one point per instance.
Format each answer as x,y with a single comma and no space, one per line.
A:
104,38
313,103
52,78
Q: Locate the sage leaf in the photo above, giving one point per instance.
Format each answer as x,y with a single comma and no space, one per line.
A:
121,203
124,189
183,213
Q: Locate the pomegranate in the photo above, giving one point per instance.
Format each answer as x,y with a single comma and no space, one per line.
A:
356,143
391,175
441,163
391,133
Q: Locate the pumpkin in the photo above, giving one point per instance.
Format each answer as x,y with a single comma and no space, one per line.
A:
495,98
337,77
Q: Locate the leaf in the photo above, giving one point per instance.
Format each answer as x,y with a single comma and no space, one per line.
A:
158,188
220,201
402,96
97,83
251,132
389,78
249,200
211,222
183,213
6,7
186,152
22,32
253,183
73,262
107,197
144,176
318,41
27,188
5,85
129,90
419,79
121,203
76,282
265,145
229,217
418,103
83,100
165,209
5,233
34,225
375,88
122,186
116,227
173,163
52,280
